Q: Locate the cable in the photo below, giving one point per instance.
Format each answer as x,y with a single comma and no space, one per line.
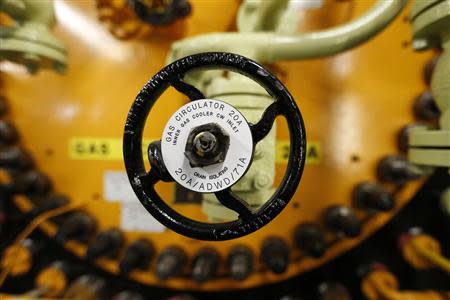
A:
31,227
432,256
381,284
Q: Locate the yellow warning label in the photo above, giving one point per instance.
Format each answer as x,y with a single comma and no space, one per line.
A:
90,148
95,148
313,152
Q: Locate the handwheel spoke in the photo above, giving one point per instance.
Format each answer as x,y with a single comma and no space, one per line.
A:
189,90
264,125
150,178
230,200
157,162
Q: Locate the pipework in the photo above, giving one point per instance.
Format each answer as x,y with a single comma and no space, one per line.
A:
431,28
30,41
269,47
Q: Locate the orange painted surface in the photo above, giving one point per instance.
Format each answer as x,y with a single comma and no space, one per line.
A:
353,104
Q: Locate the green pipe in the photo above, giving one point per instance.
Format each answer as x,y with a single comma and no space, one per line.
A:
262,15
30,42
431,28
271,47
40,12
338,39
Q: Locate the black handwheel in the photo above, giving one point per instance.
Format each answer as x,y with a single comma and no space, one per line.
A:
143,181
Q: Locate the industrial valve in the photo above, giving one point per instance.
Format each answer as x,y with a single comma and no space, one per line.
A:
127,19
160,12
28,40
208,145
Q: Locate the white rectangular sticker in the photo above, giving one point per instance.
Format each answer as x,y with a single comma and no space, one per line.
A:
117,188
133,216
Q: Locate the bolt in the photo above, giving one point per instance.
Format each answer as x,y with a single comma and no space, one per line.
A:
372,196
32,62
342,220
205,143
205,265
183,9
261,181
310,239
396,169
275,254
425,107
60,68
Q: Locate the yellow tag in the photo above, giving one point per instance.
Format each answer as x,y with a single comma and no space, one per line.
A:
82,148
313,152
95,148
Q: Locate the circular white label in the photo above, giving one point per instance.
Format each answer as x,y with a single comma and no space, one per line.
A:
214,177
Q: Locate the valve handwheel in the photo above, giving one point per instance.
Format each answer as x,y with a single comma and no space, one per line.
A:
207,146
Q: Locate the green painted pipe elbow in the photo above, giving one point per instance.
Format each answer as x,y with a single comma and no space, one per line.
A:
269,47
31,42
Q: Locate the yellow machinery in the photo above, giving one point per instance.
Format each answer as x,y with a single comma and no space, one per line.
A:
355,105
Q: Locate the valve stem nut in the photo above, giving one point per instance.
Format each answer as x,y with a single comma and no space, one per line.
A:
206,145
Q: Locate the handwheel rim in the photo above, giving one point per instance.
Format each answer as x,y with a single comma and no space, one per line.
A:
134,161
